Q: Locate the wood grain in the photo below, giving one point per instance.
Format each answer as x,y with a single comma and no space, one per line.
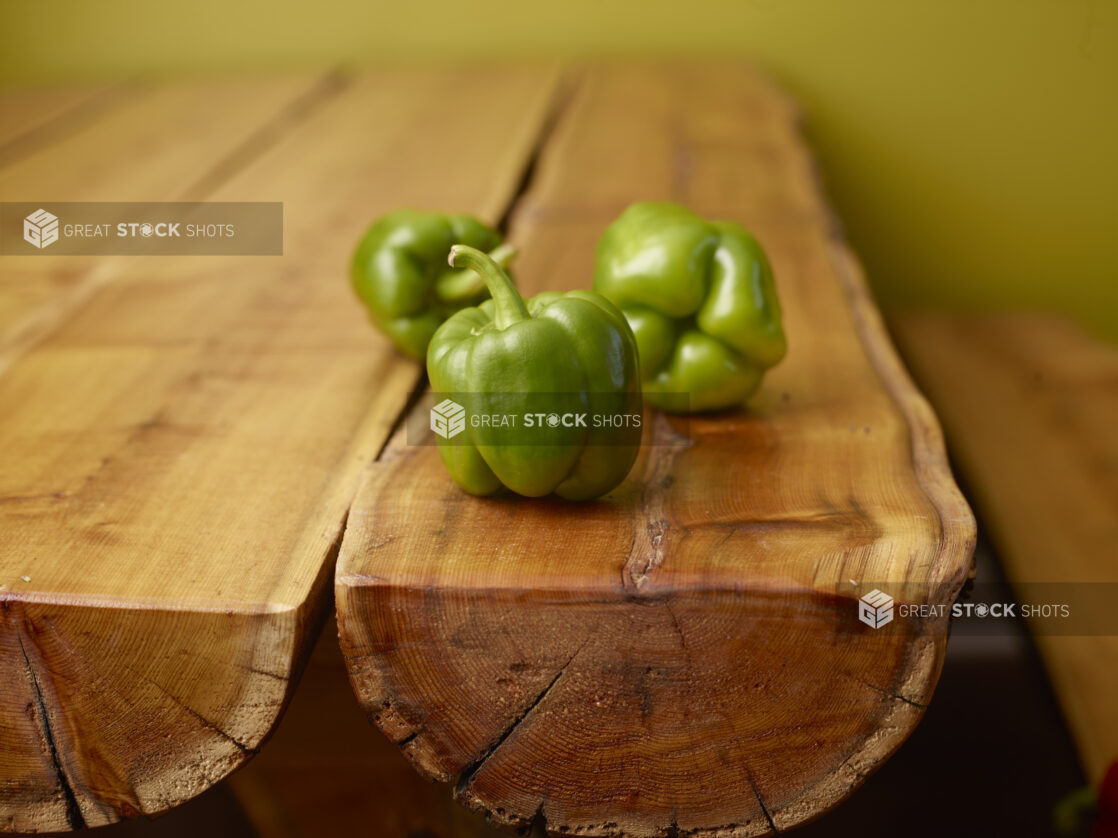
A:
1030,404
142,143
29,114
669,659
181,450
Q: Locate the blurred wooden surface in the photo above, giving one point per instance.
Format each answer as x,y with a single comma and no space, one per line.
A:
1030,404
29,114
669,659
182,437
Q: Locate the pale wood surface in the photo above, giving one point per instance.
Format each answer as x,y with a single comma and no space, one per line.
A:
180,446
1030,404
666,658
27,114
144,143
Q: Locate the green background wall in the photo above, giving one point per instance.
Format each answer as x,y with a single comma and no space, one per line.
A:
970,145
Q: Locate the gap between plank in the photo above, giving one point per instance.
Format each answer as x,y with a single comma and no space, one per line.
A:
557,109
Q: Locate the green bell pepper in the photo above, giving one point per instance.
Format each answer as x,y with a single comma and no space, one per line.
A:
539,364
399,272
700,299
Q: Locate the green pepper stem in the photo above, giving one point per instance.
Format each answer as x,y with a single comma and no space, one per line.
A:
510,307
463,286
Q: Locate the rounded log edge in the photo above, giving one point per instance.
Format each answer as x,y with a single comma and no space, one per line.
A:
123,709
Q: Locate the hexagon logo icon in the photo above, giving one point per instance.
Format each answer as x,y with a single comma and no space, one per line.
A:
875,609
448,419
40,229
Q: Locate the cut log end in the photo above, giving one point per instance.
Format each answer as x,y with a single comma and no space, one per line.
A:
102,722
691,713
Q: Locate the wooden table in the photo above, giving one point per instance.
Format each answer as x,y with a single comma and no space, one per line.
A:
182,440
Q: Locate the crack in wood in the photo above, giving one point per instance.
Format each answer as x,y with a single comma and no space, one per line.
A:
648,548
256,671
74,817
468,773
206,723
891,694
673,825
174,699
538,823
679,631
761,803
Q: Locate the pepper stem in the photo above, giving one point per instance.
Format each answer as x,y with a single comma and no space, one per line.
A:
462,286
510,307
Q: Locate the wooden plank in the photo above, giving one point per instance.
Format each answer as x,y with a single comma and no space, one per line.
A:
150,143
1030,404
669,658
724,142
186,446
156,141
27,113
24,293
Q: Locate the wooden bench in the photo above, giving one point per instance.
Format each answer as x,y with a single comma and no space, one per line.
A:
1031,405
184,438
